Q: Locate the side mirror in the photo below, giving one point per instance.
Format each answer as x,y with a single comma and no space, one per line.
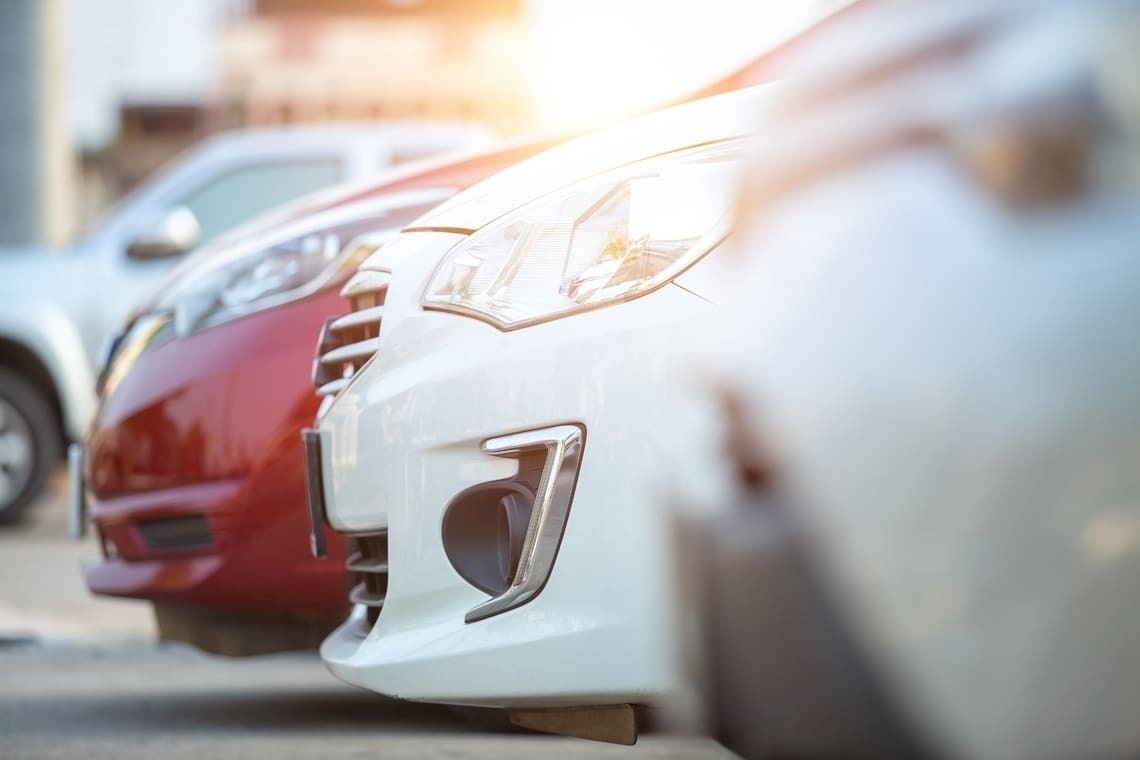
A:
174,233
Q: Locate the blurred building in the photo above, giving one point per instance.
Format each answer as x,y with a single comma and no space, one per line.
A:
95,94
292,60
596,61
35,176
149,78
140,78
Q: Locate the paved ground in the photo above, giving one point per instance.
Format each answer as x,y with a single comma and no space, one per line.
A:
82,677
41,586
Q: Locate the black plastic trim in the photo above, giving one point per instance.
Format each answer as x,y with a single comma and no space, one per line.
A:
315,492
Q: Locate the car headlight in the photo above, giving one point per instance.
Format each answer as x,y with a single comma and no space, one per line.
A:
216,285
612,238
248,284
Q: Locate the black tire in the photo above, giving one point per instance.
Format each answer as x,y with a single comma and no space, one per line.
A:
36,421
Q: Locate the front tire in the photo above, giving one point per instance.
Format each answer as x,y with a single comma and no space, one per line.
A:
29,444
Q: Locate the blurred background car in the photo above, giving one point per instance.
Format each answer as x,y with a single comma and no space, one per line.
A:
57,310
931,401
487,452
194,462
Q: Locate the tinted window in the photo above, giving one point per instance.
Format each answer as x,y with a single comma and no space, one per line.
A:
239,195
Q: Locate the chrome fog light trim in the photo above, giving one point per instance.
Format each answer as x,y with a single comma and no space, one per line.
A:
563,445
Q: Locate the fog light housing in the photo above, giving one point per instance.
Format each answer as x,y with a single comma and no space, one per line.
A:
483,532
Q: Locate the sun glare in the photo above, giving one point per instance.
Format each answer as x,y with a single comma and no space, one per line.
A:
595,61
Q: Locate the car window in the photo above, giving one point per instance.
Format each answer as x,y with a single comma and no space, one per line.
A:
238,195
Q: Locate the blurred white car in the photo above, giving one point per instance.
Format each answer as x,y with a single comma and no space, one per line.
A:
57,308
934,397
486,443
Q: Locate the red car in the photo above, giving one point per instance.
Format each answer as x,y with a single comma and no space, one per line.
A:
193,469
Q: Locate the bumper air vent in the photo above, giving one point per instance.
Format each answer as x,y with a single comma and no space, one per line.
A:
176,533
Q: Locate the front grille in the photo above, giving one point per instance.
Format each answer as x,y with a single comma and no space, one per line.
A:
367,566
349,341
345,345
176,533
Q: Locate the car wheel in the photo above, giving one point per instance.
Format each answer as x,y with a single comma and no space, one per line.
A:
29,444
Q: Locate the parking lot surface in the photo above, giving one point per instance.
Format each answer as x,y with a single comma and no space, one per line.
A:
83,677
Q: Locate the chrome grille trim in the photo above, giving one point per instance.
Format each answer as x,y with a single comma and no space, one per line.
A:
366,281
333,387
361,595
367,567
363,318
353,352
358,563
348,341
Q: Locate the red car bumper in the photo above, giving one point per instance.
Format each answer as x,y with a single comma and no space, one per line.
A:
195,470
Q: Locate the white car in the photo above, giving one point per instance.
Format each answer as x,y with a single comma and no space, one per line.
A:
57,308
936,395
487,450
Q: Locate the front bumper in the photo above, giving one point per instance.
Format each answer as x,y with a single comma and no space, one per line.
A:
195,473
409,434
199,544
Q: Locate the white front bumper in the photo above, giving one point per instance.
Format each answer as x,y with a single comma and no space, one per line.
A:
405,439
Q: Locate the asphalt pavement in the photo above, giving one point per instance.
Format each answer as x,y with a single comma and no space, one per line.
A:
82,676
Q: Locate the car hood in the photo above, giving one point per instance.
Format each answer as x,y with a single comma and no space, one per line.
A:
716,118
